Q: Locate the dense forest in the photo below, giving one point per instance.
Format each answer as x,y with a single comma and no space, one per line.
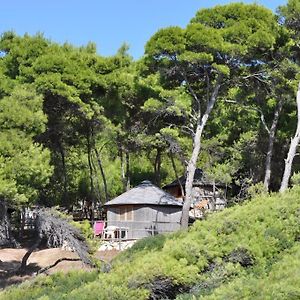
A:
219,94
222,94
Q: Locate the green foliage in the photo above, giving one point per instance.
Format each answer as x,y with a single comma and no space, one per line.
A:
23,110
256,189
168,41
80,90
87,231
295,180
282,282
153,243
256,28
291,13
51,287
223,44
152,105
235,30
69,118
24,162
218,257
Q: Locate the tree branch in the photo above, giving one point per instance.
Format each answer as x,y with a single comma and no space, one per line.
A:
257,76
262,117
56,263
188,130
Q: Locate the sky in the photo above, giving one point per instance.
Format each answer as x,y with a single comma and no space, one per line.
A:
108,23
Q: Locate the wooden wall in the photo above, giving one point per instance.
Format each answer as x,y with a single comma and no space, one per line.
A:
145,220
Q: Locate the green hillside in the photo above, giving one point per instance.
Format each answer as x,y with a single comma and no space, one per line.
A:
245,252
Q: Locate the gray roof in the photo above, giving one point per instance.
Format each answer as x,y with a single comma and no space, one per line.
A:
145,193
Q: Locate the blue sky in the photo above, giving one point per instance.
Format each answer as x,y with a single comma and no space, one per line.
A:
107,23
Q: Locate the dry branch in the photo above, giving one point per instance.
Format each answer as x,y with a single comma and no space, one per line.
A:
57,231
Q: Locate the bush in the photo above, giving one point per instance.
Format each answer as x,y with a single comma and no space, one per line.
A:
55,286
155,242
218,258
282,282
295,180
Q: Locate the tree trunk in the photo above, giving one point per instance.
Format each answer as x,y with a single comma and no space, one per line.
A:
6,237
125,168
292,150
89,153
272,133
157,166
213,203
102,173
96,180
191,167
22,223
127,158
176,175
190,172
123,172
66,202
22,268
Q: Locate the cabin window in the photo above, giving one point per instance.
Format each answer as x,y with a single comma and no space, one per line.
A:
126,213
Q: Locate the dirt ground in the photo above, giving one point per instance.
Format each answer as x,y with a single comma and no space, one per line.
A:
10,260
106,256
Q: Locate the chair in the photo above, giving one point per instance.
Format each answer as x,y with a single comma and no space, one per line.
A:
110,232
98,228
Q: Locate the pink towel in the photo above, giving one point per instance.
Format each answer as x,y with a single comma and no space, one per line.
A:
99,227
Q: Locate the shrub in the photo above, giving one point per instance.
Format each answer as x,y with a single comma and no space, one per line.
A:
55,286
219,258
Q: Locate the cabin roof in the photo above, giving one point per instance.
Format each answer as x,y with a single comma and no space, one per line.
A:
145,193
199,180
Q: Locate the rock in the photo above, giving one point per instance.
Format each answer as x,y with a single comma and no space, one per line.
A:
113,245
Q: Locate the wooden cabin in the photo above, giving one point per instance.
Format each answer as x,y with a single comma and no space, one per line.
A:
143,211
207,195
